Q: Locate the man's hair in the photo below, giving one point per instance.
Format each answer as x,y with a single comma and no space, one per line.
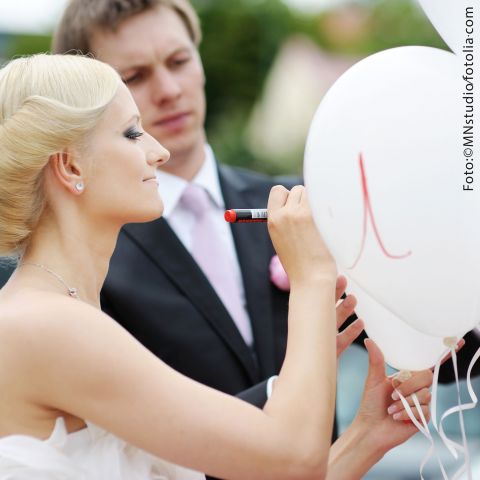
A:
82,18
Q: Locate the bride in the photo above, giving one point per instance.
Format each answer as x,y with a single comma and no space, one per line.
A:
80,398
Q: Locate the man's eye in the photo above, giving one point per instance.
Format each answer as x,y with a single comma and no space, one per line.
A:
180,61
134,78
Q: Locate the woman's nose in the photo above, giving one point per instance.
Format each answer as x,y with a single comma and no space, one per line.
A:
158,155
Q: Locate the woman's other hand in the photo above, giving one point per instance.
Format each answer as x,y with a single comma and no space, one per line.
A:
381,411
345,309
374,431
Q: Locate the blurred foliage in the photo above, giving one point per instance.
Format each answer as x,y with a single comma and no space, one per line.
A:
240,41
386,24
26,45
242,37
397,23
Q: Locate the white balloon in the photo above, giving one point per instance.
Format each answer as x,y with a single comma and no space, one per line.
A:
404,347
451,20
413,243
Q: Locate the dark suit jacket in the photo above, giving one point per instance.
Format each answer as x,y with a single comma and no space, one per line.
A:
5,271
156,291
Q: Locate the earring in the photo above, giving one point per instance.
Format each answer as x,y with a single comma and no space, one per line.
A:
79,187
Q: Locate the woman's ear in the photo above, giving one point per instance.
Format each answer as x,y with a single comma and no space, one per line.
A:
67,170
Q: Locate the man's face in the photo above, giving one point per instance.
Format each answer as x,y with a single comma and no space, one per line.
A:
160,64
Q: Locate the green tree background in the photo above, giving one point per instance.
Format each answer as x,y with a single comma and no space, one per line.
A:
241,39
240,43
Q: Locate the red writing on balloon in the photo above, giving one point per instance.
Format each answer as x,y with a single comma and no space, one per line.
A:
368,213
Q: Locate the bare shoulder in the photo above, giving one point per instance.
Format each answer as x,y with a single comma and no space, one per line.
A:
34,313
59,354
68,350
37,322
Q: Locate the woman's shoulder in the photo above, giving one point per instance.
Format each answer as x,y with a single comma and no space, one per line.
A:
31,318
58,343
39,309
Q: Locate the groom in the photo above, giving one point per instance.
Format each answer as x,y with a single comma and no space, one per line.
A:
214,315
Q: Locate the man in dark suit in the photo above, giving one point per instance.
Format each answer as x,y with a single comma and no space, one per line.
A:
156,287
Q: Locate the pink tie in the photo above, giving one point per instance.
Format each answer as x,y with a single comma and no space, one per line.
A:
212,257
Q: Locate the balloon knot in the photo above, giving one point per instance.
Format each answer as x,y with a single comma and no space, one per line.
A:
450,342
403,375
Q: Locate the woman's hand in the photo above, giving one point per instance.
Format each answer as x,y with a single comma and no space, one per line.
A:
374,431
381,412
295,237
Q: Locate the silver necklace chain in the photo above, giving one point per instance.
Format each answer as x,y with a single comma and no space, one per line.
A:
72,291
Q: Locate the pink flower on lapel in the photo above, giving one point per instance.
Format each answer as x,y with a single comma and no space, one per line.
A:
278,275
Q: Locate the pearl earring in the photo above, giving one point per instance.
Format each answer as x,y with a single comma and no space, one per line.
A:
79,187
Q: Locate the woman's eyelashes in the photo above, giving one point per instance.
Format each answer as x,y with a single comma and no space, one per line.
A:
133,134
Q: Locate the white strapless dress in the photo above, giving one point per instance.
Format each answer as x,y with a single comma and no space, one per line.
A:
89,454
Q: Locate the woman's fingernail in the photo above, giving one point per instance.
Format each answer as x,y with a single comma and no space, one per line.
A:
397,416
348,302
395,396
392,409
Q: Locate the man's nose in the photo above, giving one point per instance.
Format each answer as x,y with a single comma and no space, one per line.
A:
165,86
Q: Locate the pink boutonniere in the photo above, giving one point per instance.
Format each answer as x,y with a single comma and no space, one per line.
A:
278,275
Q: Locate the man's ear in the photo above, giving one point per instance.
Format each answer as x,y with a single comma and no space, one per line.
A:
67,170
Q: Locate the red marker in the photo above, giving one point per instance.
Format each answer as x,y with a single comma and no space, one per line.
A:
246,215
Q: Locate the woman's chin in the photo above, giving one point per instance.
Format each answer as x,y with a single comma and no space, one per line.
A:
148,215
154,215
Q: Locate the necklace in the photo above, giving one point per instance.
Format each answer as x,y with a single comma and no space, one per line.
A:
72,291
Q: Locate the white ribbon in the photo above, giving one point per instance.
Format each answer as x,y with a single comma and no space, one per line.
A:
425,431
451,445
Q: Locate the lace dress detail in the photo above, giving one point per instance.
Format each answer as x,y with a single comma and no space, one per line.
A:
89,454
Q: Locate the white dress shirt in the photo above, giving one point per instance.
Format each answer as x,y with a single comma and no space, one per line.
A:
182,220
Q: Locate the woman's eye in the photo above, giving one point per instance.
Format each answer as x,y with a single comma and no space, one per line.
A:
133,134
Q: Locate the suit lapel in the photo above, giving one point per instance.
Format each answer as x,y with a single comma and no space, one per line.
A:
163,247
254,252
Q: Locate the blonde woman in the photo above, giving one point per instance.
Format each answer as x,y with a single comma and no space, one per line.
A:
82,399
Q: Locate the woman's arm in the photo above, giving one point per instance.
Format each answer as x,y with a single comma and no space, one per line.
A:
82,362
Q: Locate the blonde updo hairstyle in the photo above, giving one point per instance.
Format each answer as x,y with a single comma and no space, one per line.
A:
47,103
